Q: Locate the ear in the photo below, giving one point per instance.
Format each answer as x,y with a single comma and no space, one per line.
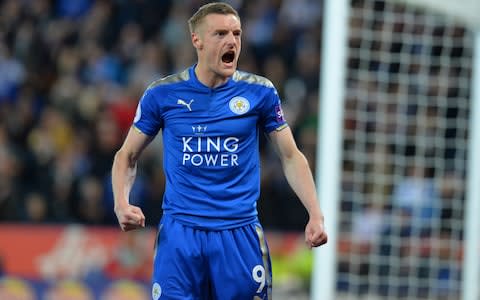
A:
196,41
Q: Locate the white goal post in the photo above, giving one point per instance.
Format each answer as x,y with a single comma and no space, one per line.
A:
398,150
471,265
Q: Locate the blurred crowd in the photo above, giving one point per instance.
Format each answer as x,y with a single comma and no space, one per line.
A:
71,75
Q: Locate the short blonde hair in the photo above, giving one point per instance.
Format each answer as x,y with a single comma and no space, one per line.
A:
210,8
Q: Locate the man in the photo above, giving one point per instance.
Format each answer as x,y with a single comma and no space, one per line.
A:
210,243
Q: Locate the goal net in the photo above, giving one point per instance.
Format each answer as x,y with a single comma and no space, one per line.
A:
405,136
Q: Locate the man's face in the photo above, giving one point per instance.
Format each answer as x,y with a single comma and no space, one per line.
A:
218,41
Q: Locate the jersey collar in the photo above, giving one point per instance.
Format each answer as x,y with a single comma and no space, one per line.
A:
198,84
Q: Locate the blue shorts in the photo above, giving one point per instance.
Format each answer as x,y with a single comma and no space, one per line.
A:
199,264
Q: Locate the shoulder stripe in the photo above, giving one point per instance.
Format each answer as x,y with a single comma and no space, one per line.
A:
174,78
252,78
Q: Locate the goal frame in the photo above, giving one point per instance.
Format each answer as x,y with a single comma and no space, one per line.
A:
329,137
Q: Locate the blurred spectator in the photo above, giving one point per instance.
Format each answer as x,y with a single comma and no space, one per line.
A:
12,75
367,225
73,8
9,172
90,206
300,14
36,208
106,142
451,194
415,201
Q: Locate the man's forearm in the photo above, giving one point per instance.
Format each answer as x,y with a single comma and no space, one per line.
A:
299,176
123,176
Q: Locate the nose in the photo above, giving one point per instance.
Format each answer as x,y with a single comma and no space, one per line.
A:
231,41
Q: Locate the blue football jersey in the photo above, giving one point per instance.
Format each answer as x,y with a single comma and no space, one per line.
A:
210,136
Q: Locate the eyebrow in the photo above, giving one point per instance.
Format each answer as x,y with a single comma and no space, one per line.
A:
222,30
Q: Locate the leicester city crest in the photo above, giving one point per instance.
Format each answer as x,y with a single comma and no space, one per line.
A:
239,105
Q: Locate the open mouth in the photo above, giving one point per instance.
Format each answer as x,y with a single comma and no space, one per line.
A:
228,57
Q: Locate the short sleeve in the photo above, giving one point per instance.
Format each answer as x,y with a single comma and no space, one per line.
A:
272,113
148,117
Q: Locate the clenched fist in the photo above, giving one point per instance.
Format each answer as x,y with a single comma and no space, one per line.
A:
130,217
315,234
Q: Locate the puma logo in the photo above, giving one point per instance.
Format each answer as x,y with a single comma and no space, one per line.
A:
184,103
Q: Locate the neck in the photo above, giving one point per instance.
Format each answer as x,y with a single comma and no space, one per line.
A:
209,78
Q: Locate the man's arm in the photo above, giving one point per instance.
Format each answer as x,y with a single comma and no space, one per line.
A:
124,171
299,176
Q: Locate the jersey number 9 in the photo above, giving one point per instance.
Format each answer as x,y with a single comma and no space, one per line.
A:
258,274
